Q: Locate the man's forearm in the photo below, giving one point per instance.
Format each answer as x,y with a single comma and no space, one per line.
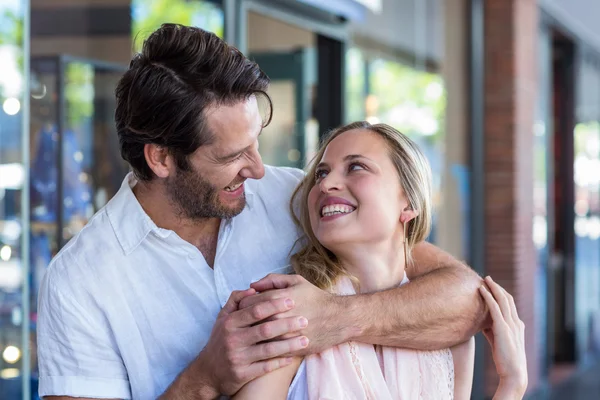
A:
190,385
440,309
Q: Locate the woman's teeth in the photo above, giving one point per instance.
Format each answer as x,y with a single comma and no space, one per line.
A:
233,188
336,209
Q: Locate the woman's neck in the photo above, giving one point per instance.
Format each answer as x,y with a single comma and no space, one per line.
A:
377,266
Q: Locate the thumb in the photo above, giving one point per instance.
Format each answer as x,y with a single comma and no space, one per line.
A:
235,298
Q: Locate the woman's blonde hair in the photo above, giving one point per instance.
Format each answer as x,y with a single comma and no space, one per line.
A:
318,264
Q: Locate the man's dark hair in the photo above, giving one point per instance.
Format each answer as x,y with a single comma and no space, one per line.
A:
163,96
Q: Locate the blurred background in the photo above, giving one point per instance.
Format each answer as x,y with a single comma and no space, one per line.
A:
502,95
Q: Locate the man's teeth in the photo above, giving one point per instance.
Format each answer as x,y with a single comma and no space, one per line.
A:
336,209
233,188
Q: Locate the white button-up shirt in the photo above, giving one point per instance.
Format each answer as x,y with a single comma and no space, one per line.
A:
126,305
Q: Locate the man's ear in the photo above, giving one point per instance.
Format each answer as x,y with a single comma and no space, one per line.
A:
158,159
408,214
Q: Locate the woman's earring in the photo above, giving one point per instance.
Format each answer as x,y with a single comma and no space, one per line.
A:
405,246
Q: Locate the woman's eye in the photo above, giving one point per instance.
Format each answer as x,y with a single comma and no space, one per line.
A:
320,174
356,167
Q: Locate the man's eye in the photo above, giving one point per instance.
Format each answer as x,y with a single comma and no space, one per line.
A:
236,158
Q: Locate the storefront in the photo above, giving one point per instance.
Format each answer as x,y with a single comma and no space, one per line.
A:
416,65
59,156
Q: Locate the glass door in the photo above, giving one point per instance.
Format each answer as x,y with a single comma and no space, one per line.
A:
287,42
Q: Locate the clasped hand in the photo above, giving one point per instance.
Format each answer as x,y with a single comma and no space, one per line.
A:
260,328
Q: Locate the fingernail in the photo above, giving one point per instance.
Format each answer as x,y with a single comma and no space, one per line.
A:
289,360
289,303
303,322
304,341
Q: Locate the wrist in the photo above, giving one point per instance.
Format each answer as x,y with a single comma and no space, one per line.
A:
349,319
510,389
194,382
206,382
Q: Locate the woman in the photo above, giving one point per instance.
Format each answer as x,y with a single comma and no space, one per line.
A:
364,204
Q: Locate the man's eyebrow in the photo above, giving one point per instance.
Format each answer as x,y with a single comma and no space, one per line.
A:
236,153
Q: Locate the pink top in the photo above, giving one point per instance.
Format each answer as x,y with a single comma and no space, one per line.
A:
359,371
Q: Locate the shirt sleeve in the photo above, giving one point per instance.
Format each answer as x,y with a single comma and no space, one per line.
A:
77,354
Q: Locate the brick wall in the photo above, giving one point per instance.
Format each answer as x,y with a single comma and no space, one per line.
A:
511,32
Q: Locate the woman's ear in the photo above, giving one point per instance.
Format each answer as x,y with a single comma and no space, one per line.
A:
408,214
158,160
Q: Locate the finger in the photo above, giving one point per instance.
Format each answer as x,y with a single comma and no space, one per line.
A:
261,368
273,329
279,348
288,336
495,312
500,296
258,312
275,281
489,336
513,309
262,297
235,298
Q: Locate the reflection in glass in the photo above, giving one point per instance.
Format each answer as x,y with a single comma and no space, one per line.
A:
355,85
75,160
148,15
12,179
587,211
413,102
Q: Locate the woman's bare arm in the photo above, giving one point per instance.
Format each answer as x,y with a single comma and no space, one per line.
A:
463,356
272,386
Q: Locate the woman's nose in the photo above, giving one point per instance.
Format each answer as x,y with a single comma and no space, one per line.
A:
331,182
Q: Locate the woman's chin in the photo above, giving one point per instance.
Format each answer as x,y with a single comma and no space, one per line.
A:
335,240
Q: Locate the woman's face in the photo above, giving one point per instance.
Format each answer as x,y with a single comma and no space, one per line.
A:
357,197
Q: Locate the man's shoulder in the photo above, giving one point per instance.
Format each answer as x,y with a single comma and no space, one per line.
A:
85,254
283,175
277,185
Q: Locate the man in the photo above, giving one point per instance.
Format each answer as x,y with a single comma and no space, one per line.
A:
151,298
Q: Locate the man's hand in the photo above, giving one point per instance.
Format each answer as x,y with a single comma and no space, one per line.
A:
239,349
322,309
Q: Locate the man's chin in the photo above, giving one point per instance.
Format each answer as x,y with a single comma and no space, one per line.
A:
233,208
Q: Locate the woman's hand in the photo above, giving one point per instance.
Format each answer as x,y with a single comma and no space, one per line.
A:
507,338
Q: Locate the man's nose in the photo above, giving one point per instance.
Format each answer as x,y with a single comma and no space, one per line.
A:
255,169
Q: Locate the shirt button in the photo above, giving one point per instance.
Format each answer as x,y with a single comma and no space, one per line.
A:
192,256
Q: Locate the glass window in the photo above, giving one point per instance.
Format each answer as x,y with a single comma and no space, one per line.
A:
413,102
14,332
356,85
587,207
148,15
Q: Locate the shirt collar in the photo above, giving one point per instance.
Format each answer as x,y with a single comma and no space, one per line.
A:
130,222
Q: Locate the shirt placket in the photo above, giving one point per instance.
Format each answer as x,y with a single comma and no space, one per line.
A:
225,233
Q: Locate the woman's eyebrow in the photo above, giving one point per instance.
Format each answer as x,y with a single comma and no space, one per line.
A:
350,157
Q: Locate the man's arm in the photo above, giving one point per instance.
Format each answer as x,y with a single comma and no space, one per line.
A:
440,308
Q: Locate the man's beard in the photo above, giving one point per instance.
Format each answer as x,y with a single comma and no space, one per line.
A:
195,198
